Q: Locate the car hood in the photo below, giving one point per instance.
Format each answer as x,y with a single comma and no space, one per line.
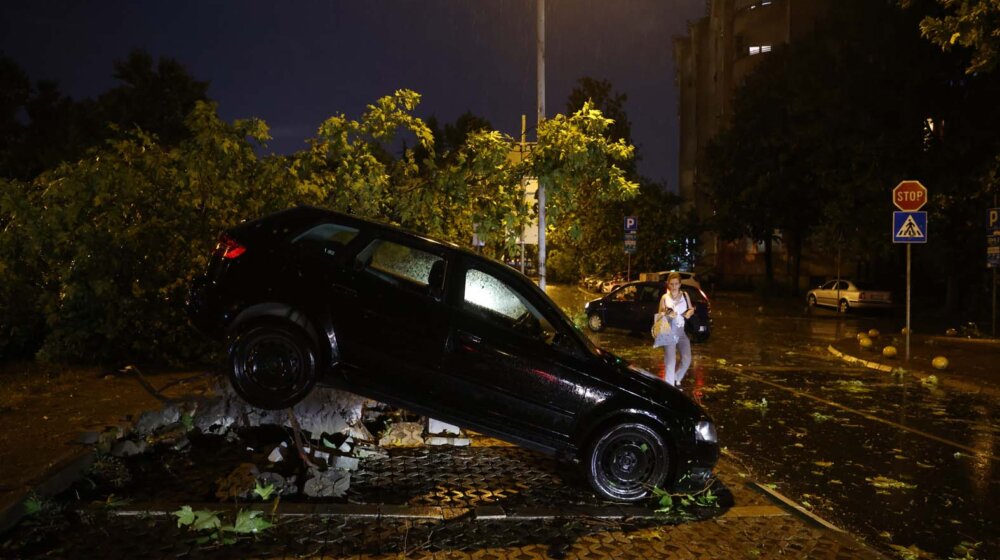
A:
649,387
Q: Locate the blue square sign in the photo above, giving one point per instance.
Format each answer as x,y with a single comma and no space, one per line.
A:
909,227
631,224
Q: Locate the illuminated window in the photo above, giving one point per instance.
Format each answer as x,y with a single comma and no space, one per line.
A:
492,299
758,49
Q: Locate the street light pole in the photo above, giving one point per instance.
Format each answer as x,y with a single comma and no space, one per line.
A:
541,116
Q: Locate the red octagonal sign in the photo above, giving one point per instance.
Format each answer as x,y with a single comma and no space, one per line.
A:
909,196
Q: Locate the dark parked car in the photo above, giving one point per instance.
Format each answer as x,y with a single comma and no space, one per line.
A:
309,296
632,306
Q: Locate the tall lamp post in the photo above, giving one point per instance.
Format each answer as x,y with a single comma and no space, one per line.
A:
540,43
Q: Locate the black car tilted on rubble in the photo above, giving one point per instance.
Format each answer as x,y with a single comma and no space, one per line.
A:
307,296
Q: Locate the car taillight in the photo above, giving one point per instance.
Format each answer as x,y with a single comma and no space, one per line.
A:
228,248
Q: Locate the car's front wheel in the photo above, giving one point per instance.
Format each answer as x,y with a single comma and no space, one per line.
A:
272,366
811,300
844,307
595,322
626,460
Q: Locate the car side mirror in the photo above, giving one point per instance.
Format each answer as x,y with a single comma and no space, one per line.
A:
562,341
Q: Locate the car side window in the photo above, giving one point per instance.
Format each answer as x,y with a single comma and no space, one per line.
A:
498,303
842,285
831,285
402,265
325,239
628,293
649,294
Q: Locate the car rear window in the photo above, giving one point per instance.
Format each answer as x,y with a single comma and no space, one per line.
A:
394,262
325,238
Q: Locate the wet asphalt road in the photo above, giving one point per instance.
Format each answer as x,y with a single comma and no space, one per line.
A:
909,467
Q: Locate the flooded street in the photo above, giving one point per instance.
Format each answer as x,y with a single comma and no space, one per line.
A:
908,466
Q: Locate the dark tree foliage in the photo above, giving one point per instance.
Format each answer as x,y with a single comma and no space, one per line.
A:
15,90
666,239
603,97
154,97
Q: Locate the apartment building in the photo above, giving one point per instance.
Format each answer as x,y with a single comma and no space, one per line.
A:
718,53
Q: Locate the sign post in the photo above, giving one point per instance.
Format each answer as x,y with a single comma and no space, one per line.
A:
993,253
909,226
631,233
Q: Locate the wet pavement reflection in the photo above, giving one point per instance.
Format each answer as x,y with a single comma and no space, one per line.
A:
910,467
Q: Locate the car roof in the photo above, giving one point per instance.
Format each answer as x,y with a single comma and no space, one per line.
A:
307,216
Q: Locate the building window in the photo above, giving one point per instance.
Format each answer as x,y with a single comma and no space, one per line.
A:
758,49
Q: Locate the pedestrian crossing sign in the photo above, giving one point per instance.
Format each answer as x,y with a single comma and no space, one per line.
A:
909,227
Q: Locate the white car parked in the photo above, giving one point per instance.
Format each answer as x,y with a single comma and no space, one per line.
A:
846,295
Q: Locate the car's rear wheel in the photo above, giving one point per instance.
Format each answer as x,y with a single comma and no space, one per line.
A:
843,307
272,366
595,322
812,300
626,460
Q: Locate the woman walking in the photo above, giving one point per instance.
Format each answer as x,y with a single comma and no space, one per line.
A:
676,304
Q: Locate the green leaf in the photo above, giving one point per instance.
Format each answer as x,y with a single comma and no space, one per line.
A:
263,491
185,516
249,521
204,520
32,505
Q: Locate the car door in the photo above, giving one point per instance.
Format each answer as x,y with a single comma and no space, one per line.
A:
619,307
647,303
827,293
395,324
514,370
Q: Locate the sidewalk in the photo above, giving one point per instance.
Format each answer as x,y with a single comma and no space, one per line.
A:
440,516
973,364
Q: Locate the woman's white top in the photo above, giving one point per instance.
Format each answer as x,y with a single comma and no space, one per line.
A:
679,306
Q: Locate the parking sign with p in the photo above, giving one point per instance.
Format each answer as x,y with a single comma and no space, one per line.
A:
631,224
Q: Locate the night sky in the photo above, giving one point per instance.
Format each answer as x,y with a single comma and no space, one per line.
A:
295,63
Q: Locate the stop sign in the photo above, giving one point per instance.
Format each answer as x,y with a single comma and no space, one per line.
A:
909,196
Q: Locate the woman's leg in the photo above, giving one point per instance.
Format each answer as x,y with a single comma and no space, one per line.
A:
685,346
670,360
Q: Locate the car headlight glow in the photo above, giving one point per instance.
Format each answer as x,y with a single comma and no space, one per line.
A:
705,431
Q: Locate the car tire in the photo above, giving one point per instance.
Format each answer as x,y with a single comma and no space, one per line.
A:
811,301
272,366
595,322
843,306
626,460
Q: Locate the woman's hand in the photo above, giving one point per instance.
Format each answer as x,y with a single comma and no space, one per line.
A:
688,313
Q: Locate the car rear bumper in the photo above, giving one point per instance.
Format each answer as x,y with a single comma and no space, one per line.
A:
871,304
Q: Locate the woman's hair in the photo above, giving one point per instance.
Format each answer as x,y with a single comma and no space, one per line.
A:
673,275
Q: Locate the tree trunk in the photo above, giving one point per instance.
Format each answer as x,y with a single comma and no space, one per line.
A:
795,258
768,262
